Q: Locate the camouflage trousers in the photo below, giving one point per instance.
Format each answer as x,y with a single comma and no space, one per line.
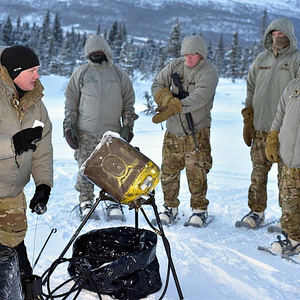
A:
290,197
13,221
179,153
86,146
257,194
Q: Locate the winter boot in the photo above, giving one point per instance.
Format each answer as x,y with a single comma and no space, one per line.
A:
198,218
285,246
85,207
114,211
254,218
168,216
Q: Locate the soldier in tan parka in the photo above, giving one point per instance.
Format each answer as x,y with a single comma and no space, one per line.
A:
25,151
183,148
283,144
268,76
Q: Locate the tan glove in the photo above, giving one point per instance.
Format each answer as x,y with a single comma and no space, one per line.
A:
163,97
164,112
272,146
248,131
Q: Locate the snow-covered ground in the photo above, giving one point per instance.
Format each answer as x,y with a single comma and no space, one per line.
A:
216,262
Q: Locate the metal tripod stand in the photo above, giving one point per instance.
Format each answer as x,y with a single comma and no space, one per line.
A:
133,205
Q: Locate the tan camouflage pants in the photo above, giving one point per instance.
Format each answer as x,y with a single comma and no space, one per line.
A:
86,146
179,153
290,197
13,221
257,194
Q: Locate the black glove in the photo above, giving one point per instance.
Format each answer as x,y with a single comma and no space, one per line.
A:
126,133
24,139
41,196
71,136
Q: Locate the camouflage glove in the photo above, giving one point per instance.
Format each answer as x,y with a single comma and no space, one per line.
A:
272,146
248,131
163,97
126,133
71,136
164,112
25,139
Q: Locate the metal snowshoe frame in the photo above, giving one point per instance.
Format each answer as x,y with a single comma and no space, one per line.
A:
137,205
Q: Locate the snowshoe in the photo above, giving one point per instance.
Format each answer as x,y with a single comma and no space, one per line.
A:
251,220
290,256
198,218
114,211
84,208
274,228
285,246
168,217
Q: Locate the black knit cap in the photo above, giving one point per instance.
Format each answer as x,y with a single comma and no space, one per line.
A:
18,58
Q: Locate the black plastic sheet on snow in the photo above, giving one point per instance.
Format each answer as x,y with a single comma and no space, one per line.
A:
10,283
122,261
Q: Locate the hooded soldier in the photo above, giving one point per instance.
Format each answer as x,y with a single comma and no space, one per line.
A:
268,76
188,120
99,98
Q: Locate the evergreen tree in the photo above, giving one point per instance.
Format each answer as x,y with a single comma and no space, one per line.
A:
161,58
33,40
118,42
150,104
263,28
149,59
98,31
209,50
25,36
220,57
7,32
44,44
174,41
57,36
1,35
112,33
234,58
245,62
17,32
127,58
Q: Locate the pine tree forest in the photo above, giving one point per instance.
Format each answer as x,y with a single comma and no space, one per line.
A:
61,52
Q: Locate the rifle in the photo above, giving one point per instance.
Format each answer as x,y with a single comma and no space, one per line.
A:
181,95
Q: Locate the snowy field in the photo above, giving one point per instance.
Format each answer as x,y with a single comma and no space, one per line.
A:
212,263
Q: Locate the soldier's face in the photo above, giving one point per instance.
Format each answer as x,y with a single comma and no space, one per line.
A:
26,79
191,60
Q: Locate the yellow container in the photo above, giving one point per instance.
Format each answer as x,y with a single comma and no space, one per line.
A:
120,169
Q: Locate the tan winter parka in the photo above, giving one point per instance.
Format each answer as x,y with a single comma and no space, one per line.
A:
269,76
99,96
15,169
287,122
200,82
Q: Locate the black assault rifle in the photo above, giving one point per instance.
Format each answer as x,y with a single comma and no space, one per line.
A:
181,95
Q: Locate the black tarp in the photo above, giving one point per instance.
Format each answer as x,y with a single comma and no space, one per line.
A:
122,261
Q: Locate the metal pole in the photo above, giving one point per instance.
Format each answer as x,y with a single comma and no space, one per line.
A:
54,230
166,248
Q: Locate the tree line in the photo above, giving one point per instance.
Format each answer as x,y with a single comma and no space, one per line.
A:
61,52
